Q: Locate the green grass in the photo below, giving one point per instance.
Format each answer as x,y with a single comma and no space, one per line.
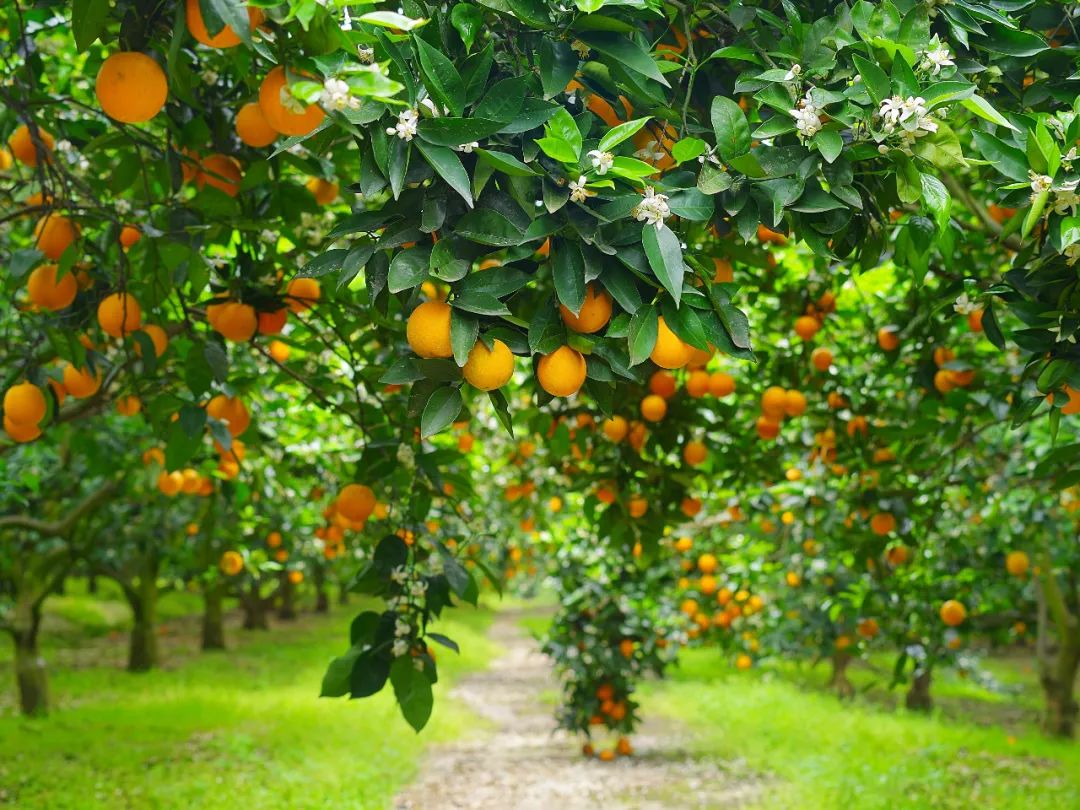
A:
240,729
815,751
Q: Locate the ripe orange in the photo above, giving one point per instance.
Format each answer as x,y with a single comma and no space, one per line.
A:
488,370
24,404
858,424
129,235
252,128
1073,405
272,91
768,236
561,373
882,523
637,435
653,408
356,502
169,483
231,561
302,293
721,384
595,311
943,381
53,234
953,613
669,352
821,358
1016,563
724,270
296,577
806,327
323,191
131,87
158,337
128,406
662,383
230,410
867,628
897,555
119,314
774,402
226,37
695,453
234,321
690,506
220,171
428,330
768,427
794,403
943,355
23,148
975,320
743,661
80,383
271,323
616,428
684,544
637,506
273,540
21,433
793,579
279,351
887,339
707,563
45,291
697,384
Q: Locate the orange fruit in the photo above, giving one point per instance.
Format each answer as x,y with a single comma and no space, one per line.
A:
974,320
279,351
230,410
821,358
356,502
1073,405
220,171
561,373
128,406
724,270
80,383
271,323
697,384
794,403
867,628
690,506
662,383
695,453
21,433
131,87
271,92
616,428
169,483
887,339
251,127
943,355
653,408
707,563
53,234
1016,563
944,381
23,148
669,352
428,330
119,314
45,291
323,191
595,311
806,327
486,369
768,427
231,561
774,401
302,293
129,235
158,337
24,404
296,577
768,236
743,661
721,384
882,523
637,506
226,37
953,613
235,321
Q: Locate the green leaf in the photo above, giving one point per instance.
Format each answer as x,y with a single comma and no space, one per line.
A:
323,264
336,680
874,79
408,269
616,135
626,52
369,673
558,149
412,688
984,109
644,327
665,258
232,13
448,166
562,126
464,330
829,144
688,149
1007,159
441,410
182,445
391,19
467,20
568,271
488,227
1070,231
443,80
450,131
558,63
732,130
88,20
505,163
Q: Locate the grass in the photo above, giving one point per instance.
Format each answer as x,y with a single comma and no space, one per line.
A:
815,751
239,729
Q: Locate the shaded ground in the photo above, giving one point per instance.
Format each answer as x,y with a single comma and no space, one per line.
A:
524,765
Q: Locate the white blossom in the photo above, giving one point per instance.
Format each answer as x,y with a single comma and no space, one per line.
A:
289,101
209,76
937,57
433,108
578,192
651,152
400,648
793,74
964,305
405,128
1039,183
402,628
268,236
1068,158
653,209
467,148
891,112
399,574
1066,198
366,54
337,95
710,156
406,456
417,588
1072,253
807,116
601,161
122,206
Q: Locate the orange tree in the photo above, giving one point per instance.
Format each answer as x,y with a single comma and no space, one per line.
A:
534,195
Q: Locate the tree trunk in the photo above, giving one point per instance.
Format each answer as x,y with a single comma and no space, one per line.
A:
92,585
254,607
322,599
1058,679
30,674
918,697
839,680
143,651
343,594
287,605
213,624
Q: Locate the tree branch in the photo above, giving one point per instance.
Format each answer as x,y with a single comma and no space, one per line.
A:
59,528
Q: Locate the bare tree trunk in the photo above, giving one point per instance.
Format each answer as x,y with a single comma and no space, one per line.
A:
343,593
213,624
1058,682
918,697
254,607
287,592
838,680
143,652
322,598
30,674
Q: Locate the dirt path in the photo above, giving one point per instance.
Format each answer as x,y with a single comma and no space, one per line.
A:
524,765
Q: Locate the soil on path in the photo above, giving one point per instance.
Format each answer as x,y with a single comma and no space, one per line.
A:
525,765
